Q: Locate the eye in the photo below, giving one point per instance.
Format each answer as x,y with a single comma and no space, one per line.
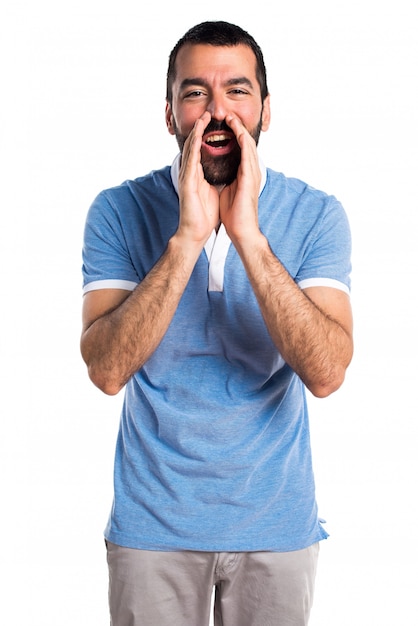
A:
196,93
238,92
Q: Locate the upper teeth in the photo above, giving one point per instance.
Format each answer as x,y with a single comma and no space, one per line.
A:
216,138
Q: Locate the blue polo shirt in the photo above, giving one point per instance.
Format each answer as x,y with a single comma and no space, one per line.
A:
213,451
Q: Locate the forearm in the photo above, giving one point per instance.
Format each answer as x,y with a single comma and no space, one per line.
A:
117,344
314,344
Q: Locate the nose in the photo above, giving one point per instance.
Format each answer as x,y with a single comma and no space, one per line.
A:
217,108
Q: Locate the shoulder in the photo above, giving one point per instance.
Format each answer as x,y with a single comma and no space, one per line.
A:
297,203
156,180
279,183
124,199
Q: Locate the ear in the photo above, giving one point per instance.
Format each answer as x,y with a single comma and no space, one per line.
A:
169,119
265,116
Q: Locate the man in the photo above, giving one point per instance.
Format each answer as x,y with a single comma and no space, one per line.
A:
215,291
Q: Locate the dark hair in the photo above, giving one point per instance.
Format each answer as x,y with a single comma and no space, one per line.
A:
217,34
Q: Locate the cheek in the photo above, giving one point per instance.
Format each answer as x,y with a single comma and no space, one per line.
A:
185,117
250,117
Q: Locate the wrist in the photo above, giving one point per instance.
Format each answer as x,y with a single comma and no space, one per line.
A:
186,247
251,244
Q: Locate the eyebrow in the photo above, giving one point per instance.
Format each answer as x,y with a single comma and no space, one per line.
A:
239,80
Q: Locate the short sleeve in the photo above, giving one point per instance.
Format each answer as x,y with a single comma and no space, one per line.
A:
106,259
328,261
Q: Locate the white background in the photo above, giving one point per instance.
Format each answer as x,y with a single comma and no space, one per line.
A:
82,108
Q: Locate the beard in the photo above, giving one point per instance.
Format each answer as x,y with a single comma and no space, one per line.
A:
221,170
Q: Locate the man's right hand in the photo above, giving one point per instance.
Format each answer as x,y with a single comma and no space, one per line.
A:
199,201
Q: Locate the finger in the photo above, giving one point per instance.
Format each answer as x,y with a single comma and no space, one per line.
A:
204,119
246,142
193,143
241,133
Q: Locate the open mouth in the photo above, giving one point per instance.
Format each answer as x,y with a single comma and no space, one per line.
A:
218,141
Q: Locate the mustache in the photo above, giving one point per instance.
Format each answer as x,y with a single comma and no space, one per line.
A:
216,126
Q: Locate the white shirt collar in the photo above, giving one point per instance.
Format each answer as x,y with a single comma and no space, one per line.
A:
175,169
217,246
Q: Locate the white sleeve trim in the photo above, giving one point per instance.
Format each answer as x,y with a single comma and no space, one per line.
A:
324,282
128,285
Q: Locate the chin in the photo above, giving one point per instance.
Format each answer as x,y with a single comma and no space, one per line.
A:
223,171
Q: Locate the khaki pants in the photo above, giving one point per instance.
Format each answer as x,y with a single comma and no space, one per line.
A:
148,588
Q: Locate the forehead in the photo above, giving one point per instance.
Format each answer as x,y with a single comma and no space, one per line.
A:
215,63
